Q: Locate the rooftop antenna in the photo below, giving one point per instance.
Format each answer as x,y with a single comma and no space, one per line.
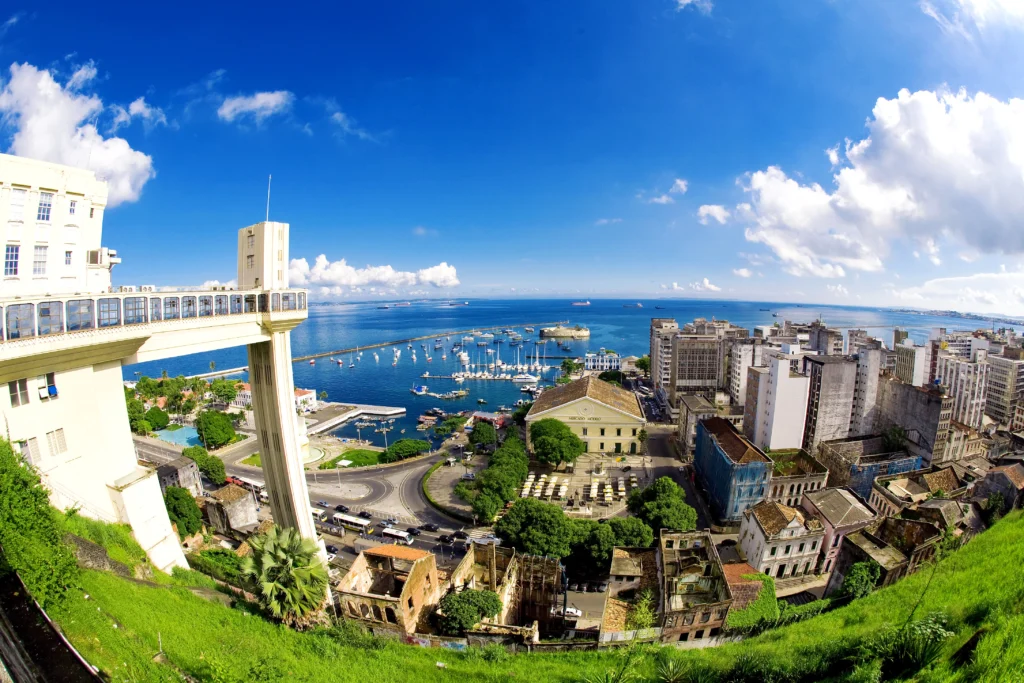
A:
269,178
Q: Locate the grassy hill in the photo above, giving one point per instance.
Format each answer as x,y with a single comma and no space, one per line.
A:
979,590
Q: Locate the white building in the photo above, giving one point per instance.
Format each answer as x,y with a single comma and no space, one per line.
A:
1005,386
602,361
305,399
662,332
64,337
780,541
912,363
966,380
743,355
776,405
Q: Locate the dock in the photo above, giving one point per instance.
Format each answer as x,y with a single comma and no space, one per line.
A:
426,337
354,411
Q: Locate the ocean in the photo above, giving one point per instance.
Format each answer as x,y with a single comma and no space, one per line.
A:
612,326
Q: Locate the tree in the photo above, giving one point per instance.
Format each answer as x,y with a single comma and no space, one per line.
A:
322,395
860,580
641,436
662,505
462,611
290,577
894,439
643,364
215,428
404,448
570,367
183,511
519,416
483,434
147,387
486,506
213,365
554,442
157,418
225,390
143,427
592,542
136,413
535,528
630,532
209,465
612,376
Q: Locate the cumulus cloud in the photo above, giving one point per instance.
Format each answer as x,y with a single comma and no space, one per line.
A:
140,109
702,6
742,272
703,286
258,106
933,163
607,221
53,122
661,199
838,289
210,284
715,211
341,274
1000,292
679,186
964,17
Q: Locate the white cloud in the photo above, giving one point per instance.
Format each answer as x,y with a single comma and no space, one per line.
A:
607,221
702,6
742,272
210,284
341,274
53,123
833,155
932,249
959,17
1001,292
421,231
258,105
933,163
82,76
10,23
838,289
347,126
716,211
702,286
679,186
968,256
151,116
661,199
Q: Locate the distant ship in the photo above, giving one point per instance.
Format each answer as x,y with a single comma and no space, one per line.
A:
659,308
580,303
458,303
384,307
636,305
404,303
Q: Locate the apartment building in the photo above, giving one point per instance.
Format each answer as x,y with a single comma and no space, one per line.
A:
830,399
1005,386
662,332
912,363
966,380
776,405
743,355
824,340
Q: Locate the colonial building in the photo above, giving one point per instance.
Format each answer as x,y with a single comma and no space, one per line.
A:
841,513
897,546
392,587
181,472
695,594
781,541
794,472
606,417
735,472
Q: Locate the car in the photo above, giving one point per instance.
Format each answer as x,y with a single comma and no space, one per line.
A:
600,588
569,612
323,503
385,524
574,587
332,549
430,527
627,468
460,534
365,515
444,538
413,531
341,508
330,557
584,588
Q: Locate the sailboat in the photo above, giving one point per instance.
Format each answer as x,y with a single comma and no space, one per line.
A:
376,358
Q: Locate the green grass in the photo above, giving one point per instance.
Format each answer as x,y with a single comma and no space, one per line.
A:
765,606
172,427
360,457
117,539
253,460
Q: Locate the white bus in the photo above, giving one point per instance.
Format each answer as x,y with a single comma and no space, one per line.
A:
399,535
258,488
318,514
352,522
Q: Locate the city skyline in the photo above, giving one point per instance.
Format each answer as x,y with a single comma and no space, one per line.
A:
864,155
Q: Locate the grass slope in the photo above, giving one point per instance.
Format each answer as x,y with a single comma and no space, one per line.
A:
360,457
979,587
253,460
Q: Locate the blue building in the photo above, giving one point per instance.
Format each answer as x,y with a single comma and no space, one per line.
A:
734,471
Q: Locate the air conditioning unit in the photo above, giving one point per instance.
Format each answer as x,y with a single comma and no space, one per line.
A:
126,288
147,288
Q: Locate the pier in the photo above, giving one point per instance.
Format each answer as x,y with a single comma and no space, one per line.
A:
425,337
353,411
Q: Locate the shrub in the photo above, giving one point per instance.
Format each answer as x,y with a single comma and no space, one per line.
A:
116,539
215,429
157,418
31,535
464,610
765,608
220,564
404,448
183,511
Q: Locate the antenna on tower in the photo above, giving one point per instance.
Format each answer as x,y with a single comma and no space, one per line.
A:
269,178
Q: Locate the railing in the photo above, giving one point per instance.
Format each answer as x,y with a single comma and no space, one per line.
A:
45,316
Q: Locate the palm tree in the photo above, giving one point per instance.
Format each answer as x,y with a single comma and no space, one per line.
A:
213,365
290,577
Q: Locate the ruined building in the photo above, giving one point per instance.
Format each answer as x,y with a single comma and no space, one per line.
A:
695,594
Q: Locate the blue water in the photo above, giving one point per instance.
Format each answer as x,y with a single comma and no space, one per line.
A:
186,436
625,330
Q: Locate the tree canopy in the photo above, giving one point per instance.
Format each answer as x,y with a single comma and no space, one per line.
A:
591,542
157,418
569,366
483,434
215,428
224,389
519,416
662,505
499,482
209,465
291,579
535,528
463,610
554,443
643,364
402,449
860,580
183,511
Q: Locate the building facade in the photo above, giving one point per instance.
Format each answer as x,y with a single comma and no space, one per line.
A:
781,541
662,332
832,384
743,355
776,407
841,513
824,340
181,472
695,594
692,409
794,472
734,471
602,361
912,364
966,380
1005,385
607,418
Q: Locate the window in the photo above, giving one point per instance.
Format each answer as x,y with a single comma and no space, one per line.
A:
55,440
45,204
634,431
109,312
92,212
236,303
835,541
800,548
221,305
250,261
618,432
51,317
67,258
411,606
288,302
11,260
17,204
601,446
786,551
772,552
814,545
250,241
134,310
205,306
21,321
188,307
48,386
602,432
275,302
155,308
80,315
39,260
30,451
71,207
584,431
171,306
669,544
19,392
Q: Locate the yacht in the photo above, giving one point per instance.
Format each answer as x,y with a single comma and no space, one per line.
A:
527,329
580,303
419,389
487,335
524,378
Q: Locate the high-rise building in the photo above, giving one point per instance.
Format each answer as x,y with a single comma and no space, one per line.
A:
830,399
898,336
824,340
864,415
912,363
662,331
66,335
726,333
923,412
776,406
1005,385
856,339
966,380
743,355
694,367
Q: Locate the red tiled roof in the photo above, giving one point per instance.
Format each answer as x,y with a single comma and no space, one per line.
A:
1015,473
399,552
733,443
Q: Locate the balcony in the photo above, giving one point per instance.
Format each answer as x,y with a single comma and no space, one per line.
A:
145,325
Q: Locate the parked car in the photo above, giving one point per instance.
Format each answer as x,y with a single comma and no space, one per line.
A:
341,508
330,557
332,549
413,531
584,588
444,538
430,527
365,515
569,612
323,503
574,587
460,534
627,468
600,588
385,524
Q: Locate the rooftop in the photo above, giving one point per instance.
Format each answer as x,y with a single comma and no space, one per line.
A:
944,480
885,555
795,461
399,552
632,561
592,388
840,507
774,517
733,443
1015,473
230,494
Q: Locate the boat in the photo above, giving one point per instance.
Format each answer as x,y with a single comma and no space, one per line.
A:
444,356
460,379
409,346
499,340
438,346
457,303
580,303
523,377
508,330
351,365
764,309
659,308
312,361
527,329
775,315
403,303
481,401
383,308
481,343
636,305
419,389
376,358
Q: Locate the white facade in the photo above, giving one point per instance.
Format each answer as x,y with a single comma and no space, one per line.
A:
781,407
790,548
662,332
864,417
912,363
742,357
601,361
966,381
65,338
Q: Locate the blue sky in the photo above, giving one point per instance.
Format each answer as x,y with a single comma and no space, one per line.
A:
592,148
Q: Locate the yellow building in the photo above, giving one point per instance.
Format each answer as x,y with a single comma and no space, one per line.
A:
606,417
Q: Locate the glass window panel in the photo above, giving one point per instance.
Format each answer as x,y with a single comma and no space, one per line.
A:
205,306
188,307
171,308
156,308
134,310
80,315
236,303
275,302
51,317
288,301
109,312
221,305
21,321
